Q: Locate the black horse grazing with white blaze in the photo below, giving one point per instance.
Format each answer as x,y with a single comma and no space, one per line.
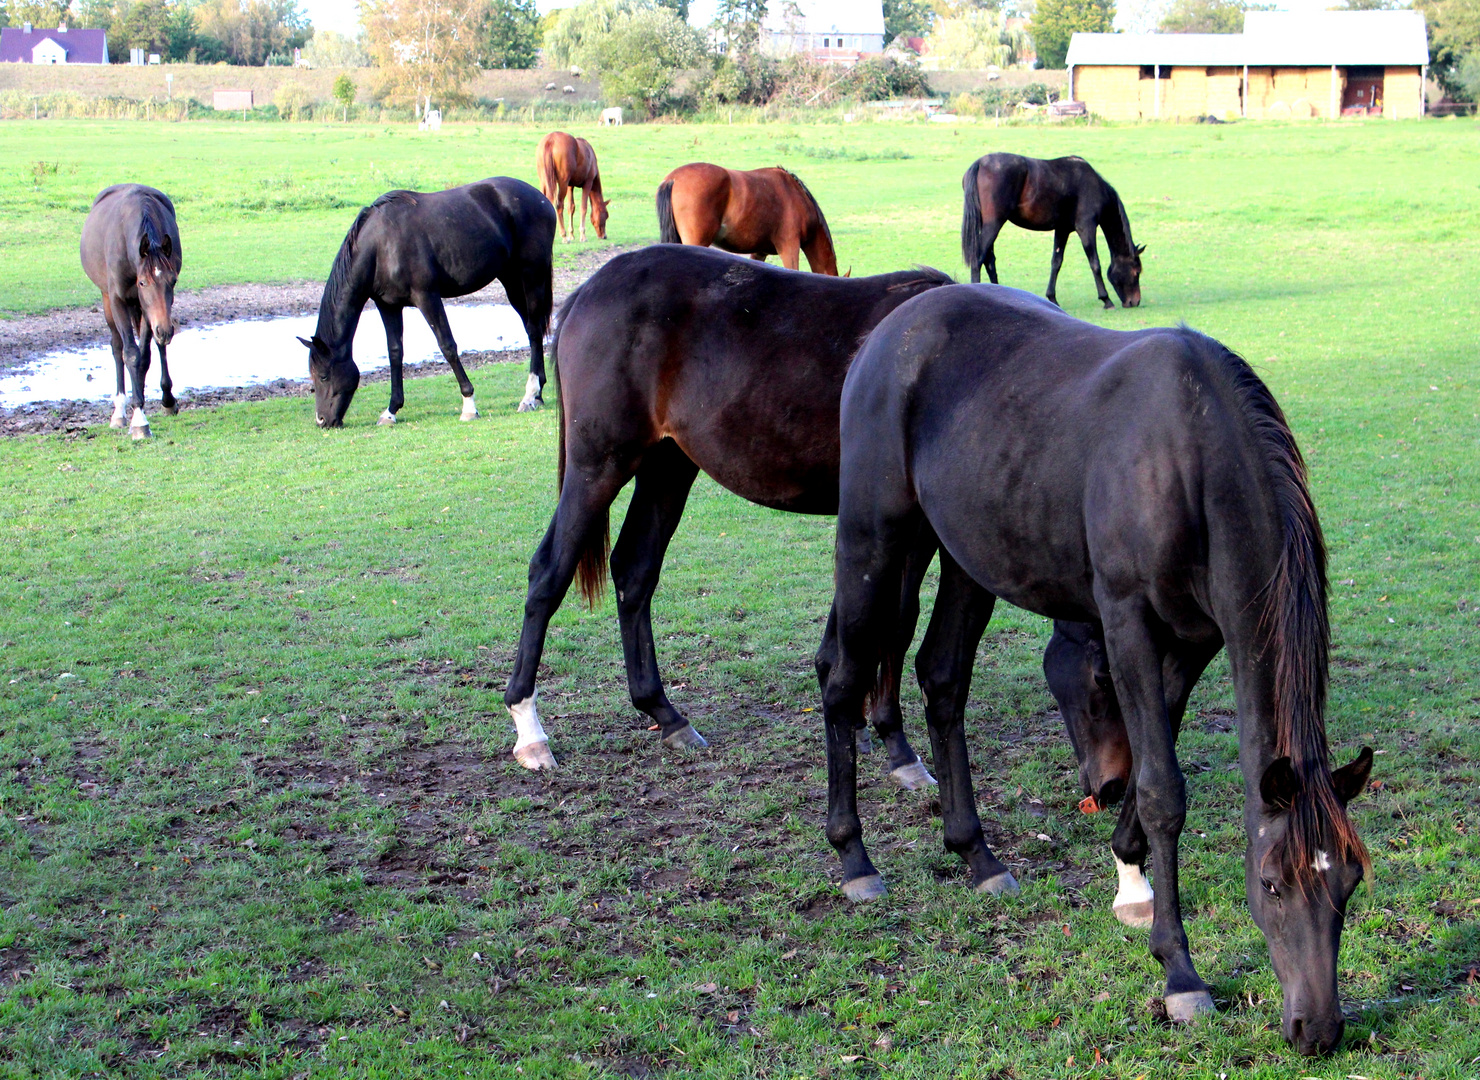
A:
1064,195
131,251
1146,482
674,359
411,249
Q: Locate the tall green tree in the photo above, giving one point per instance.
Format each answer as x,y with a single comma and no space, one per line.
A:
741,22
1056,21
1203,17
510,35
48,13
1454,34
907,18
640,58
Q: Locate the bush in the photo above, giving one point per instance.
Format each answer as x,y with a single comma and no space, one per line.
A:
641,57
1467,77
803,81
748,80
293,100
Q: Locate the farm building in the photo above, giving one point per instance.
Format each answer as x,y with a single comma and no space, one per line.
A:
28,45
1284,64
832,31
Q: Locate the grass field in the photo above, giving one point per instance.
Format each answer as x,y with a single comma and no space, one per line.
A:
257,814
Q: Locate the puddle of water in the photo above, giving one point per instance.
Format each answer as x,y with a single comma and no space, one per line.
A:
255,351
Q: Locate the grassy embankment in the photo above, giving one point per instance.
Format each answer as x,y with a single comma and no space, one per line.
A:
256,811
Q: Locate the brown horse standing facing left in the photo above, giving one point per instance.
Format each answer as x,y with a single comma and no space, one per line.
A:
565,163
757,213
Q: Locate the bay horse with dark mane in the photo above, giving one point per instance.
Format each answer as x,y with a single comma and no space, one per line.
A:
1064,195
131,251
564,163
668,364
757,213
411,249
1148,484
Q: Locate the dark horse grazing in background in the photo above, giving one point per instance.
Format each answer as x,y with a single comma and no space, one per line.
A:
757,213
131,252
674,359
564,163
1064,195
1146,483
410,249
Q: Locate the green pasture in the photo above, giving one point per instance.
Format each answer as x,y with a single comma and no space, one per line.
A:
257,813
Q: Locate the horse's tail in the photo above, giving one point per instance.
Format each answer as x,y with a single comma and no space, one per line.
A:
596,547
971,219
542,162
1298,629
667,229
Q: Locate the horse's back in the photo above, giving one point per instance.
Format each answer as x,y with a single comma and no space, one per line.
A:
114,221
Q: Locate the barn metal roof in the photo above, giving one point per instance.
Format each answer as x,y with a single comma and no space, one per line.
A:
1271,39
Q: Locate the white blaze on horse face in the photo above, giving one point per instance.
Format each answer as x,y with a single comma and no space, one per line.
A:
1134,888
469,410
527,722
1322,862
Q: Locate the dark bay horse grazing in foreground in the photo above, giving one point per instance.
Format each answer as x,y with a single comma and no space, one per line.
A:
1143,482
564,163
1063,195
757,213
411,249
673,359
131,252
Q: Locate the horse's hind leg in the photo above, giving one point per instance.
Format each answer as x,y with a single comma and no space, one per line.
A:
962,610
905,766
990,231
526,292
663,482
577,532
430,305
1092,253
1136,661
1060,239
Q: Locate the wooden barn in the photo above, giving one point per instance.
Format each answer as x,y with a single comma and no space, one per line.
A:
1284,65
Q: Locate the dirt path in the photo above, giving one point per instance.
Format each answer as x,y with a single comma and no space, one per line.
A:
25,338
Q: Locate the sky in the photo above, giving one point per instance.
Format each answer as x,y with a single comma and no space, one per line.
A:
342,16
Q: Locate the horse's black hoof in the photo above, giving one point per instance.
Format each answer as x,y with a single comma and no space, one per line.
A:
863,889
1003,884
1187,1007
685,738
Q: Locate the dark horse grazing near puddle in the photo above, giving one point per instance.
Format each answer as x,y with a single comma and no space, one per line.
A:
564,163
668,363
757,213
1146,483
411,249
1064,195
131,252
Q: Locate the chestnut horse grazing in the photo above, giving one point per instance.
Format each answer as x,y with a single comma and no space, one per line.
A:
565,163
757,213
1064,195
1146,483
131,252
411,248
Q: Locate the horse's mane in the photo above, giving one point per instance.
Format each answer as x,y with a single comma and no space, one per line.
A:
797,180
339,274
155,235
1298,628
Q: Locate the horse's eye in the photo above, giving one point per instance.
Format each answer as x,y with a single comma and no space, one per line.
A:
1269,887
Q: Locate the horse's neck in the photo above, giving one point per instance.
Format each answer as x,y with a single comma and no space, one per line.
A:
1115,224
593,186
344,298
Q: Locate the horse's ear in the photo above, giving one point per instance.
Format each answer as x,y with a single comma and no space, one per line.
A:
316,347
1279,785
849,273
144,246
1140,248
167,246
1351,780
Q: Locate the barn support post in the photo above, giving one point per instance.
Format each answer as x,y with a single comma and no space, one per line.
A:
1423,77
1335,100
1156,102
1071,82
1243,105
